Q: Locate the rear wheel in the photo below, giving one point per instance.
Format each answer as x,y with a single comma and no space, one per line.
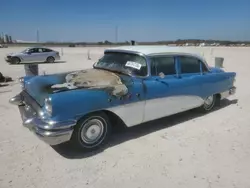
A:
50,60
15,60
209,104
91,132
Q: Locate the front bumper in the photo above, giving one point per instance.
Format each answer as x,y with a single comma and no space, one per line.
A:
52,133
7,59
58,57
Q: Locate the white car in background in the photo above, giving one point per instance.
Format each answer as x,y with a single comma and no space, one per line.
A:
33,55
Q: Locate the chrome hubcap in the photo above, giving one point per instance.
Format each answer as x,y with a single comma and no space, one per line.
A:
209,101
92,131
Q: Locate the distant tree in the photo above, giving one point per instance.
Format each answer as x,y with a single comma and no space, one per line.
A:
107,42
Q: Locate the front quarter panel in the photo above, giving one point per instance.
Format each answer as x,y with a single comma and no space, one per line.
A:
77,103
74,104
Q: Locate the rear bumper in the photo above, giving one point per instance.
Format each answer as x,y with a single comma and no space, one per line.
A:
228,93
52,133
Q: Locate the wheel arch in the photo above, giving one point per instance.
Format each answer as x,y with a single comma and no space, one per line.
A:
17,57
114,119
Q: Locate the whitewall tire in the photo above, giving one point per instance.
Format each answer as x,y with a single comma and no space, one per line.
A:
91,132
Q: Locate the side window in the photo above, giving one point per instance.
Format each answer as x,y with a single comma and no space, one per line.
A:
46,50
40,50
189,65
33,50
165,65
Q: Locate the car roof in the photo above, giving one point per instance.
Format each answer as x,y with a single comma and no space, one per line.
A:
38,47
156,50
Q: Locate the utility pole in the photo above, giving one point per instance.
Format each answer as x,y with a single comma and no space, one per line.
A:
116,34
37,36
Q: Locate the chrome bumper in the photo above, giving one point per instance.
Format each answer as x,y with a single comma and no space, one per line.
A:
232,91
52,133
228,93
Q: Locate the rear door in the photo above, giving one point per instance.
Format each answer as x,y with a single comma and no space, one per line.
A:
168,92
47,53
191,71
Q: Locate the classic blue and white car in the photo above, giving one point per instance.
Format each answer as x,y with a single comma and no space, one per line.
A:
130,85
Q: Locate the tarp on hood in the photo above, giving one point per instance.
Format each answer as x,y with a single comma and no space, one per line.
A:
94,78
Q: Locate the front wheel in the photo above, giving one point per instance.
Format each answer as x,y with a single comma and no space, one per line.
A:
91,132
50,60
209,104
15,60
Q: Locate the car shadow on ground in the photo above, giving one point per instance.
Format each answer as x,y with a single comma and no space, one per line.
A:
124,134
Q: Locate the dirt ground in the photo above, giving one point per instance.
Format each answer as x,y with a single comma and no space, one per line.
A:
185,150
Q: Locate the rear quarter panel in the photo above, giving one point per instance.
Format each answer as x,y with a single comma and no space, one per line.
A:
217,82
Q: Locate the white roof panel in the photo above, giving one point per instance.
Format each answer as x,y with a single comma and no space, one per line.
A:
159,49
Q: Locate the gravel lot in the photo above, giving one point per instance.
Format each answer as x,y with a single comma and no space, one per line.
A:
186,150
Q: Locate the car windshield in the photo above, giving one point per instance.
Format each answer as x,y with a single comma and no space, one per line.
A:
26,50
126,63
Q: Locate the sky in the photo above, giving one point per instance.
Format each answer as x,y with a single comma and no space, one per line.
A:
140,20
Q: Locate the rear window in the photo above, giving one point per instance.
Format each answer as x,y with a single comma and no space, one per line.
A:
189,64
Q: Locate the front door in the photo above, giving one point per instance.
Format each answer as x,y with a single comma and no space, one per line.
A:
168,91
34,55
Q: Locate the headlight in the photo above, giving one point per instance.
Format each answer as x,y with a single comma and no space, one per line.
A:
48,105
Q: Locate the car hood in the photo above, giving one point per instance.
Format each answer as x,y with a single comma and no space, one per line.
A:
39,87
14,54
